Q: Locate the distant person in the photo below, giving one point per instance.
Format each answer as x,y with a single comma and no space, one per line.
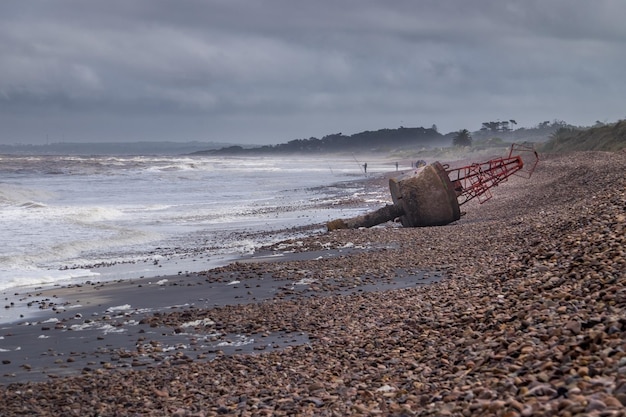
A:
365,167
396,166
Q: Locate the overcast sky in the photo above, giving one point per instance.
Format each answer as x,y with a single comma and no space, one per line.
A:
269,71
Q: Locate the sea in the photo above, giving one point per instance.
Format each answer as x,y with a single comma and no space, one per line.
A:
75,219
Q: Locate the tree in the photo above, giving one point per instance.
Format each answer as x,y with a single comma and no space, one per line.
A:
462,138
498,126
491,126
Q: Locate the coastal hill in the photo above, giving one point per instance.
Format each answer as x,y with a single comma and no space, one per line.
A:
556,136
608,137
383,139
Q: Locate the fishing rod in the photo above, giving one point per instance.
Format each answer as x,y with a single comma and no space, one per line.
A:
361,167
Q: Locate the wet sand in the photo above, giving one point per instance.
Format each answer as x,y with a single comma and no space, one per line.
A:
528,319
72,329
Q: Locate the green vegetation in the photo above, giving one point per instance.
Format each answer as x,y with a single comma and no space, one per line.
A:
498,126
462,138
538,134
555,136
601,137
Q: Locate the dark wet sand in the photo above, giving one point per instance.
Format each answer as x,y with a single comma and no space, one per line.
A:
71,329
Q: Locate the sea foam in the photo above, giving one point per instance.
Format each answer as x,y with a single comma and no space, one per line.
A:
73,218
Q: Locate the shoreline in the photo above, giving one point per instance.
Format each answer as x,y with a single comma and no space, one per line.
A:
15,308
34,342
106,318
527,321
182,260
58,232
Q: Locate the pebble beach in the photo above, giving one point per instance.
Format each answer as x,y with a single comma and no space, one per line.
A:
517,309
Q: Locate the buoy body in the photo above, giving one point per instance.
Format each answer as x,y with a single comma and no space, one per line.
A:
432,195
426,196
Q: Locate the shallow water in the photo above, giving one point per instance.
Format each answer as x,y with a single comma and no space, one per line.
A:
71,219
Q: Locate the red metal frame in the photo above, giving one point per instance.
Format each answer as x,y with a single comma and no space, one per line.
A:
476,180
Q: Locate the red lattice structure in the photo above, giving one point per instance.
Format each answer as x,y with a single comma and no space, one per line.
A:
432,195
476,180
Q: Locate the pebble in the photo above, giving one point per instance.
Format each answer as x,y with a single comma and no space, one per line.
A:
528,321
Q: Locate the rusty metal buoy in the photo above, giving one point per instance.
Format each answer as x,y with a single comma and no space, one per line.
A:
432,195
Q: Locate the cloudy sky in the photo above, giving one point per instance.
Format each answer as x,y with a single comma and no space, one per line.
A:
269,71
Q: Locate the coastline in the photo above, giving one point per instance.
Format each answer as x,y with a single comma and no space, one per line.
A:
109,320
528,319
41,323
18,301
149,216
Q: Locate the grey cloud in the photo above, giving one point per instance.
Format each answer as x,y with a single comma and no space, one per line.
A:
275,70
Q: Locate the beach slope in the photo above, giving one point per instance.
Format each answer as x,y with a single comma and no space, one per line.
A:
528,319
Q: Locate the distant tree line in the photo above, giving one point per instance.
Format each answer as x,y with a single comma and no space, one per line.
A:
506,126
498,126
338,142
491,133
504,130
